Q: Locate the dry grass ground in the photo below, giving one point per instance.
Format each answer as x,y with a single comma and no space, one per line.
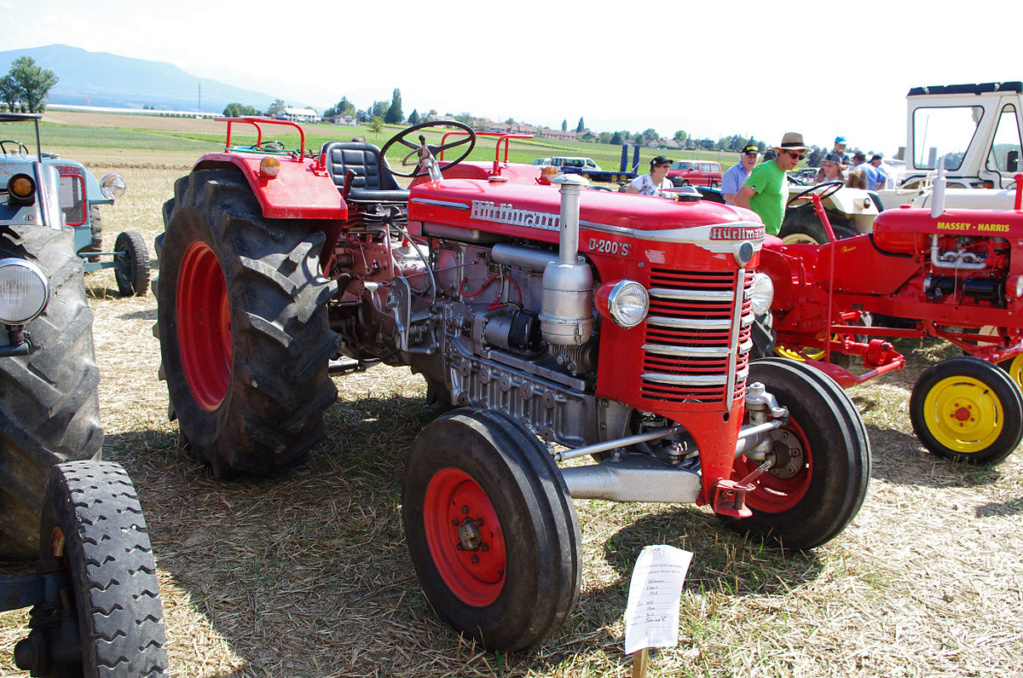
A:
307,575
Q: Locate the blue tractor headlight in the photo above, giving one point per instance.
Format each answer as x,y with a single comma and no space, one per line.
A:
112,187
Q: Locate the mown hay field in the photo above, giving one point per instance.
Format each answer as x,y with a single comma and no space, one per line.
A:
308,574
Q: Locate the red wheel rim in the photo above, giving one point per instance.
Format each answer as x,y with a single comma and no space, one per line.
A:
775,494
464,537
204,326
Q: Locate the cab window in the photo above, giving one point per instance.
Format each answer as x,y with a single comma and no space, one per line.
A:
1006,150
943,132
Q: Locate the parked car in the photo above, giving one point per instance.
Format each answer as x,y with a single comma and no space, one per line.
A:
575,165
695,173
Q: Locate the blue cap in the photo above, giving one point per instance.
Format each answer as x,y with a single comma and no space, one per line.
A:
839,140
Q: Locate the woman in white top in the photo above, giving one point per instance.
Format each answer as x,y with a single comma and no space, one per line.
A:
650,184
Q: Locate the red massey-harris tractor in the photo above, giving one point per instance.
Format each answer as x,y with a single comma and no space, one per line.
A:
618,327
953,274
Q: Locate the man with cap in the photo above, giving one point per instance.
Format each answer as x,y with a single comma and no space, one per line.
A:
650,184
765,191
882,176
734,178
839,150
831,169
869,169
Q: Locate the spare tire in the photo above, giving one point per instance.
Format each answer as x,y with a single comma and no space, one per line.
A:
49,402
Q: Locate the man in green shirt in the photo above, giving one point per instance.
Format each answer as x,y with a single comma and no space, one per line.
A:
765,191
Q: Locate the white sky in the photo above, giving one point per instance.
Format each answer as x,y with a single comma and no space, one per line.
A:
710,68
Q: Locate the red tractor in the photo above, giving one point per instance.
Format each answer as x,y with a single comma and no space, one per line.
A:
617,327
953,274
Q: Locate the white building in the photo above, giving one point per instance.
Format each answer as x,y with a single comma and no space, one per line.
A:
299,115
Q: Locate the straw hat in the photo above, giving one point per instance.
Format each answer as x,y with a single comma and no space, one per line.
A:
792,141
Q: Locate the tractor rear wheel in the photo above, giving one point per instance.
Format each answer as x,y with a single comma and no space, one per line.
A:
821,460
93,525
243,327
967,409
802,226
49,403
491,529
131,268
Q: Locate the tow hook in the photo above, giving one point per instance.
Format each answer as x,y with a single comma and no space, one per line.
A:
730,495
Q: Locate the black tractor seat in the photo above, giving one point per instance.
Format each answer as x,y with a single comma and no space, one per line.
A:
371,183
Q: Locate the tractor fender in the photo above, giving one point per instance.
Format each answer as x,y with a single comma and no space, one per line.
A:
785,273
299,191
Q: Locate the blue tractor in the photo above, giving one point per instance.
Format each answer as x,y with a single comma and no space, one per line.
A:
80,196
93,588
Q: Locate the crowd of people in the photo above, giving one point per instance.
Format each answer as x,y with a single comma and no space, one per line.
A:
762,188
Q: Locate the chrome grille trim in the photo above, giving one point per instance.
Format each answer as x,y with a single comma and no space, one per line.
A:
685,380
688,351
733,344
692,295
661,321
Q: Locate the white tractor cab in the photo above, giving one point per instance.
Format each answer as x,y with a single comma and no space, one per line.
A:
976,130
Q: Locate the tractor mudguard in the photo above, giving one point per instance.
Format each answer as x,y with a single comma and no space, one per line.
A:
299,191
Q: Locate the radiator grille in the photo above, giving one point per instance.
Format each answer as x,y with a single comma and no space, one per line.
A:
72,200
697,347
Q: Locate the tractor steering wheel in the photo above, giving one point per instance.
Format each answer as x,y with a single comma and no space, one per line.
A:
417,149
826,190
20,147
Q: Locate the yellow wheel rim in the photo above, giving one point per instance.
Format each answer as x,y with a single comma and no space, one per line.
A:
1015,370
799,356
964,414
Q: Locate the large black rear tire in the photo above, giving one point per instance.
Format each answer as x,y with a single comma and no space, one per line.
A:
93,524
491,529
49,403
243,327
820,480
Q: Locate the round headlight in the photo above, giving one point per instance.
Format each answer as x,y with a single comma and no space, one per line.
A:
24,291
112,187
21,187
628,303
762,293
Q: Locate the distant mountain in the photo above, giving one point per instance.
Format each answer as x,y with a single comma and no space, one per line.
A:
103,79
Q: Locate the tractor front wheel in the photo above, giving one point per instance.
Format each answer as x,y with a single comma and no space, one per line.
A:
1014,368
966,409
49,403
93,529
243,327
821,460
131,264
491,529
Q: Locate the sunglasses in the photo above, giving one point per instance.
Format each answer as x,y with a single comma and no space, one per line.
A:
794,155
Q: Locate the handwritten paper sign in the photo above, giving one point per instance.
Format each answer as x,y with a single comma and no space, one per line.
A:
651,616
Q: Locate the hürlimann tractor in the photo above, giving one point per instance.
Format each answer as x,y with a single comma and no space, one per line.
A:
559,323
